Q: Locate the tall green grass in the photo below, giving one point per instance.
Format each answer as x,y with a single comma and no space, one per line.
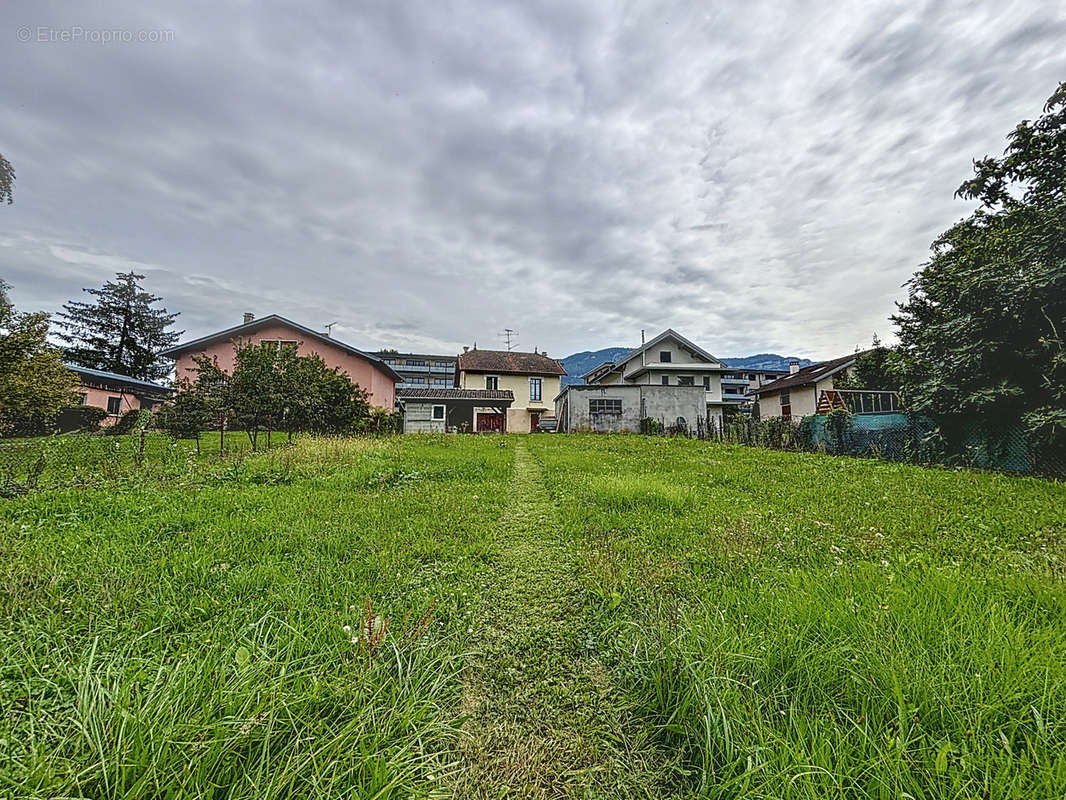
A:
186,638
801,626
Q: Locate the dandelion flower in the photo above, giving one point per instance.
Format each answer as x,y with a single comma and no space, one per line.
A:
347,629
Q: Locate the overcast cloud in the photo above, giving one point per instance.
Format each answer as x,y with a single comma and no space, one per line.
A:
759,176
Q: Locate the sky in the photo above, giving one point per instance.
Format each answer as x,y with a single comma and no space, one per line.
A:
760,176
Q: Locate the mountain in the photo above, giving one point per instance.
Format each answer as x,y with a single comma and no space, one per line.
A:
578,364
765,361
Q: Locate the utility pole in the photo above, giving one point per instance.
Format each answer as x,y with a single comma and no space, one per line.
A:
509,334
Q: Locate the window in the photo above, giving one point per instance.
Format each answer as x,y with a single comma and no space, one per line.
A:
415,363
114,405
686,380
664,357
751,376
707,382
277,344
492,383
666,380
534,388
441,382
83,399
603,405
438,412
786,399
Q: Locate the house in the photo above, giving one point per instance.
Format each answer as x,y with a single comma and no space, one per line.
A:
420,370
532,378
116,393
669,379
450,410
796,394
372,374
738,387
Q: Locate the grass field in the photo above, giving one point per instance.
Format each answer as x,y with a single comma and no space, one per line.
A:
568,616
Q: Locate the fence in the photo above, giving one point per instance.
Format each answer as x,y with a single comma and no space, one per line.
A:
897,436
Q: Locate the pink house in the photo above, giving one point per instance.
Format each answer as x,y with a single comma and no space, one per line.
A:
116,393
376,377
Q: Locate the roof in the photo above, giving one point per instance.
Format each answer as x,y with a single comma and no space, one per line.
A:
509,362
669,333
808,375
250,327
115,377
455,394
390,354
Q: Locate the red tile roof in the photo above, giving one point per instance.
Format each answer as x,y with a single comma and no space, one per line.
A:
509,362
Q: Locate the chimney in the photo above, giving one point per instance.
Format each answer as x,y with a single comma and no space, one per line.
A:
793,366
248,317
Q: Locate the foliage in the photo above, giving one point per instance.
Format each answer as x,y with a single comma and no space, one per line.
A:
837,427
981,335
34,384
81,418
120,330
873,370
649,426
190,413
136,419
271,390
7,180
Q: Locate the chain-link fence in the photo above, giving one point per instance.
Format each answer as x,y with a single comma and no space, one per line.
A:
900,437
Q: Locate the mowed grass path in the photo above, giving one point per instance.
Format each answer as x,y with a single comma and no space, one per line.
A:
614,617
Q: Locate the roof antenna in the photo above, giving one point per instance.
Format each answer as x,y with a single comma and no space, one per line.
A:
329,328
509,334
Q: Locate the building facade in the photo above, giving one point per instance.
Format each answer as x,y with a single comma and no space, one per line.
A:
419,370
795,395
449,410
374,376
117,394
532,378
738,387
617,407
669,359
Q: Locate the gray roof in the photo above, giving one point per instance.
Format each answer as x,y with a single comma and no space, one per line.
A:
248,327
115,377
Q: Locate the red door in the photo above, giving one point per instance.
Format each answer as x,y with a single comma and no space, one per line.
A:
534,418
487,423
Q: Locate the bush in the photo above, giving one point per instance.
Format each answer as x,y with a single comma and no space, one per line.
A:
80,418
133,420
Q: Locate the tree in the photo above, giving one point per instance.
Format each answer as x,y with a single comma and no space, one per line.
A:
981,334
7,180
188,415
873,370
34,384
119,331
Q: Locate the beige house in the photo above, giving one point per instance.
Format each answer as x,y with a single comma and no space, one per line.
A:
669,359
796,394
532,379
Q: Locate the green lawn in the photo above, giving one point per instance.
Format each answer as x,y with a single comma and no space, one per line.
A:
611,617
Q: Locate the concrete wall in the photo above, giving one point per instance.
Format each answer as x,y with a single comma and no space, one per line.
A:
378,385
663,403
418,418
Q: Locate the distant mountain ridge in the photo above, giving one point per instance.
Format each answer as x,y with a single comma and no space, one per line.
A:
579,364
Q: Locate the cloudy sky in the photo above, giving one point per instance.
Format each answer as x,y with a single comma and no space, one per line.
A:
759,176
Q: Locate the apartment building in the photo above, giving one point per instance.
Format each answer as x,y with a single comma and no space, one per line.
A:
419,370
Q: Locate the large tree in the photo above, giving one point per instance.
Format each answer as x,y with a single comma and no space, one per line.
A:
34,384
7,180
981,334
120,330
